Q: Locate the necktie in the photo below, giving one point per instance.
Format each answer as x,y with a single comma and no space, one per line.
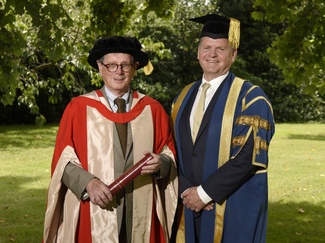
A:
198,115
122,128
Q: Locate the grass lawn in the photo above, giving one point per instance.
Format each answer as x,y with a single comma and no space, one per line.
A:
296,182
25,159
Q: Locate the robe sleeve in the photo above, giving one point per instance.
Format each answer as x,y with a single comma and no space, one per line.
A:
252,133
229,177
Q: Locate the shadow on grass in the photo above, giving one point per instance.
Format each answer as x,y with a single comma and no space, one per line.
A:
296,222
22,210
27,136
318,137
22,215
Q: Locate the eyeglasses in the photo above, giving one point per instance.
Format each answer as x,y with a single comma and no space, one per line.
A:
112,67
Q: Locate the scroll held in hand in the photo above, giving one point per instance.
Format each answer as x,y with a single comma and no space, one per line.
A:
121,182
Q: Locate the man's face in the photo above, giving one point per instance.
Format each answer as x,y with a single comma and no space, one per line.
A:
215,57
118,82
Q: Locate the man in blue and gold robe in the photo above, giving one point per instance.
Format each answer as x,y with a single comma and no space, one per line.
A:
222,166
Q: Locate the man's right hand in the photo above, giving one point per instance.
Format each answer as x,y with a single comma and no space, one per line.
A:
98,192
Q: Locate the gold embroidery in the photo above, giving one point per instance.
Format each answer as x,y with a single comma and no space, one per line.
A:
258,143
238,141
255,121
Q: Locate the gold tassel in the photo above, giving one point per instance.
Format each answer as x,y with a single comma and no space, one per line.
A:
148,68
234,33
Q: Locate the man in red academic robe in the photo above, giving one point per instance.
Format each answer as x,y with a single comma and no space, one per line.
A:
89,155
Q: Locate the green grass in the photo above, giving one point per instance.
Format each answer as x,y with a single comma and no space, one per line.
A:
25,158
296,182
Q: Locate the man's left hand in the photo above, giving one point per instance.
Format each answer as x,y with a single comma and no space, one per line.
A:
192,200
152,165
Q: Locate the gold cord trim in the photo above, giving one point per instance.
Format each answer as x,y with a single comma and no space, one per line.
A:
254,121
258,143
177,104
260,172
246,105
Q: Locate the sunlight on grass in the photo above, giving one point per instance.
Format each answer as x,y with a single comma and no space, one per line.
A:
25,159
297,166
296,182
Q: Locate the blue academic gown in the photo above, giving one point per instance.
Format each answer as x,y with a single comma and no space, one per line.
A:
242,181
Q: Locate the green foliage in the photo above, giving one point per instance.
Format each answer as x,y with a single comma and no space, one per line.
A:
299,50
291,103
108,20
44,46
42,43
11,46
162,9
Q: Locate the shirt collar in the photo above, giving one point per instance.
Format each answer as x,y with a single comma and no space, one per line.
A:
111,97
215,83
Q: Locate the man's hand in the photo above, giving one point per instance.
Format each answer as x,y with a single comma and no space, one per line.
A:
209,206
192,200
98,192
152,165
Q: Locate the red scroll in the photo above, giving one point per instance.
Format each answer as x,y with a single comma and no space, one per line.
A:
121,182
129,176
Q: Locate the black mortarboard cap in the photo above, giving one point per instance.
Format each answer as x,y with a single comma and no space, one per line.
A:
217,26
120,44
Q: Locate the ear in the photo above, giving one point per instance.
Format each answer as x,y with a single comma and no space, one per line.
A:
234,55
136,65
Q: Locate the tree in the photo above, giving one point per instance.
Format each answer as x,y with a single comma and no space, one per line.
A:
41,49
44,45
299,51
290,102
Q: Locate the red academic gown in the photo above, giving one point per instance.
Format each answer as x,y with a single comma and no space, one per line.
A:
85,138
